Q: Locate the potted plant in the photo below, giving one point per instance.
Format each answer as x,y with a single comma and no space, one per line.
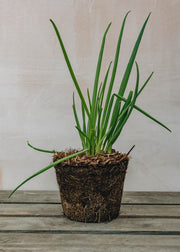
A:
91,180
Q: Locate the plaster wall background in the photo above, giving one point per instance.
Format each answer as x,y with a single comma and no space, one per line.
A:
36,88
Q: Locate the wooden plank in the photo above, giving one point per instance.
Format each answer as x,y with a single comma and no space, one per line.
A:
81,243
151,197
46,229
128,197
62,224
160,211
30,196
150,211
31,210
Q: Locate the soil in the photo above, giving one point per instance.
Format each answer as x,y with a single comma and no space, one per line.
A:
91,186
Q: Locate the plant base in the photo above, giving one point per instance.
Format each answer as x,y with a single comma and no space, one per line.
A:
91,186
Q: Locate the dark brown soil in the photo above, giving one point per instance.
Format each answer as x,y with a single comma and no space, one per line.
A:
91,186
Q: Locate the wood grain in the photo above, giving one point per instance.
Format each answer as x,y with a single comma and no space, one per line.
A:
61,224
128,197
34,221
55,210
100,243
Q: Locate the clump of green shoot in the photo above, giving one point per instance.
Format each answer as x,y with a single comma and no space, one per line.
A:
103,116
101,126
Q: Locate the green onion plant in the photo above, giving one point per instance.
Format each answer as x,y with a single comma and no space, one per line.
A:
103,116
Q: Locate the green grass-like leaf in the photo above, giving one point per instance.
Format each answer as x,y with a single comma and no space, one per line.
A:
94,98
145,113
77,122
128,72
131,105
70,67
37,149
108,97
46,168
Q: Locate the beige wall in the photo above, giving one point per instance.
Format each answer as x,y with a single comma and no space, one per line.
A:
36,89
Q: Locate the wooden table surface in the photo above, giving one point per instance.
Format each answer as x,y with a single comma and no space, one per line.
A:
34,221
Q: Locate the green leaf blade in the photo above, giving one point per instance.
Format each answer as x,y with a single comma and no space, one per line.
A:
46,168
128,70
37,149
108,97
70,67
77,121
98,68
146,114
121,125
